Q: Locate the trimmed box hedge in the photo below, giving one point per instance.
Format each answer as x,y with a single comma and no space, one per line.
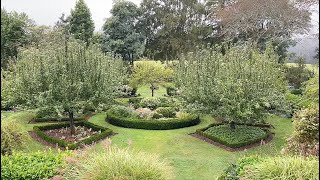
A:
57,120
39,131
170,123
225,142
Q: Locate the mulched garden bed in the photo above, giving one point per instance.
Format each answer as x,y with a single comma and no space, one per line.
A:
40,140
262,142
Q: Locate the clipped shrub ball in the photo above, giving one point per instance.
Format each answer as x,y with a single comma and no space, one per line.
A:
35,165
240,136
168,112
12,136
114,163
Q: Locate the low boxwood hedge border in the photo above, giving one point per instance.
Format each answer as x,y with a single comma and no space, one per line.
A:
39,131
264,127
170,123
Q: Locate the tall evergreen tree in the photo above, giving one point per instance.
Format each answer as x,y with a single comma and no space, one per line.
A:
81,23
120,31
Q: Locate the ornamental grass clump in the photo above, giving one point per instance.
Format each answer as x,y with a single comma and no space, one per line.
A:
115,163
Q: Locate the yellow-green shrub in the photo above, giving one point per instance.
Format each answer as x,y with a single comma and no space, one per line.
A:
12,136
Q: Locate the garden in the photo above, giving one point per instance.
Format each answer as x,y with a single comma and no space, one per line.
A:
77,108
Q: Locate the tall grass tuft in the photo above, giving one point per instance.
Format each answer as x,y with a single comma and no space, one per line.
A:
284,168
115,164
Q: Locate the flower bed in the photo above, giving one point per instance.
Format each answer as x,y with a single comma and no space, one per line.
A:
242,135
152,124
42,132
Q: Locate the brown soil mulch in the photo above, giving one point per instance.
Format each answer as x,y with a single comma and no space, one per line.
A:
265,141
81,132
40,140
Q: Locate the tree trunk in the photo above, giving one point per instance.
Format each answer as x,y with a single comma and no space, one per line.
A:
72,128
232,125
152,90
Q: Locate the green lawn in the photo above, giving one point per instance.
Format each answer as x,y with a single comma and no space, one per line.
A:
190,157
145,91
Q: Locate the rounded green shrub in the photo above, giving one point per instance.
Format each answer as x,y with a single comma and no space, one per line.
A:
12,136
114,163
122,111
168,112
150,102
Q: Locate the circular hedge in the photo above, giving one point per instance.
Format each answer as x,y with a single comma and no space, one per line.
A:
152,124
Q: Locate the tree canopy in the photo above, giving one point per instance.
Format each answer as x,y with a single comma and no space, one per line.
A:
81,23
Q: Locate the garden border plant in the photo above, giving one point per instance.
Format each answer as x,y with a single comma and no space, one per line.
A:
62,143
164,124
233,147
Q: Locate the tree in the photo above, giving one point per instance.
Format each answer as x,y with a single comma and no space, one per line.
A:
47,77
120,33
81,23
261,21
238,85
13,34
150,72
172,27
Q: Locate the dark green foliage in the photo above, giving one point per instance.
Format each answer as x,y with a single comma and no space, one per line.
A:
150,102
120,31
104,133
296,91
297,102
13,34
57,120
32,166
81,23
171,123
296,75
242,135
126,91
171,90
168,112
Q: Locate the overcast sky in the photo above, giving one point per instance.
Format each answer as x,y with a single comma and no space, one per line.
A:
47,12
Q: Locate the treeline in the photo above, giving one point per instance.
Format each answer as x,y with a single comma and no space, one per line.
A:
163,29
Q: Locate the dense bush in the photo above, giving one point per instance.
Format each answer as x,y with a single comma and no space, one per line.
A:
240,136
168,112
114,163
238,84
12,136
47,112
171,90
122,111
305,138
33,166
170,123
297,102
281,167
311,89
296,75
127,91
104,132
150,102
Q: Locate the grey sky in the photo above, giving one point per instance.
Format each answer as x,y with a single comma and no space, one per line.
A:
47,12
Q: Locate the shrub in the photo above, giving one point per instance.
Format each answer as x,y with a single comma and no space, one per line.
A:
240,136
171,90
12,136
150,102
127,91
104,133
114,163
305,138
47,112
144,113
311,89
296,75
280,167
157,115
121,110
33,166
167,112
170,123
